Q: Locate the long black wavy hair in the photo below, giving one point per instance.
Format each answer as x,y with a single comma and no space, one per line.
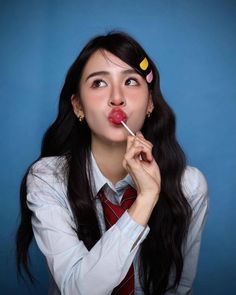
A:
68,138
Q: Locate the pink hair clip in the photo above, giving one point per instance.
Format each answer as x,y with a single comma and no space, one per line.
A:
149,77
144,66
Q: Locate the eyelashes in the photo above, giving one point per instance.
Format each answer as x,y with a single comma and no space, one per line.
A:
132,82
100,83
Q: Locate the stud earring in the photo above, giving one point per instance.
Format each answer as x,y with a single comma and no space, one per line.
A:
148,114
81,118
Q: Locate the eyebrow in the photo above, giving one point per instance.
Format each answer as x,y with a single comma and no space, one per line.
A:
106,73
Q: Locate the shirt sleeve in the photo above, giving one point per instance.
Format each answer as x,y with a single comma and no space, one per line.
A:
75,269
195,188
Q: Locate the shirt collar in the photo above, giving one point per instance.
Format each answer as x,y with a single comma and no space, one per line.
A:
100,180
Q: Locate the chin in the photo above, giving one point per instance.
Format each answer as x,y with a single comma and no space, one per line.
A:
116,137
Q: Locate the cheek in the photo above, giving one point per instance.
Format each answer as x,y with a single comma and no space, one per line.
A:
93,110
139,116
139,108
91,102
93,115
140,102
138,94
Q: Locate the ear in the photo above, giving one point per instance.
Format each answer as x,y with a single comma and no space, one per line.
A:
150,106
77,106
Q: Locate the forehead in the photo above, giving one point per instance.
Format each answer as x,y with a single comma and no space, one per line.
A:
104,60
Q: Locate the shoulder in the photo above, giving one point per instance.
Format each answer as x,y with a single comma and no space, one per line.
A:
50,170
194,186
46,182
49,165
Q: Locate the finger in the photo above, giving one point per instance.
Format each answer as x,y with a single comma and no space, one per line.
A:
146,150
132,157
134,152
144,146
142,139
131,152
130,141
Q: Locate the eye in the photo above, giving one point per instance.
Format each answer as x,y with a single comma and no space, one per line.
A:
131,82
98,83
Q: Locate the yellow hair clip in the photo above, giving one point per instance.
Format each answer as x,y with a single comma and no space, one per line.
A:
144,65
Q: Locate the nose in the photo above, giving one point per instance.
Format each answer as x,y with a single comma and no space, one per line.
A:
116,96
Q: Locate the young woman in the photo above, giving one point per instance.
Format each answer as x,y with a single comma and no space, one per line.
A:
113,213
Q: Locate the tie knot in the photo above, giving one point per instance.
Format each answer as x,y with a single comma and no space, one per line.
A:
113,212
128,198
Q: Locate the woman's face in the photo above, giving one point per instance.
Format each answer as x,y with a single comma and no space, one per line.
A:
107,83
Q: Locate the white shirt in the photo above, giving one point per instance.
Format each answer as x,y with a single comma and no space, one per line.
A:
74,269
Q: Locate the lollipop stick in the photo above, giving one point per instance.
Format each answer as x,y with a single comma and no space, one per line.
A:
132,133
127,128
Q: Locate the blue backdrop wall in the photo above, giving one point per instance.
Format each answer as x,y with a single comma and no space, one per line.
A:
194,45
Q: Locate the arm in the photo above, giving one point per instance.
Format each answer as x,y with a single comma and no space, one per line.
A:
75,269
195,187
141,165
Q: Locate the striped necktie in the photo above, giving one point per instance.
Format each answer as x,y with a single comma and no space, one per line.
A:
112,213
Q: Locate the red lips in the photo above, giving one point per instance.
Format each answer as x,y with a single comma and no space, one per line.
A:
116,116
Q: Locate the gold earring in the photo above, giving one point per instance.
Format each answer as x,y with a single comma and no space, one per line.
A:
148,114
81,118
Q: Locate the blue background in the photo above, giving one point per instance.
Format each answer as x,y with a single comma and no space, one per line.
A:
194,46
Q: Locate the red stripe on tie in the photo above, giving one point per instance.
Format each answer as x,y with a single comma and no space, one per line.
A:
112,213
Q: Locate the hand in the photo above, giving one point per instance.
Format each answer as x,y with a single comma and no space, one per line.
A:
140,164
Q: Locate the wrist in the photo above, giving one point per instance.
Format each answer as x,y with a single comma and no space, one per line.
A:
147,199
141,209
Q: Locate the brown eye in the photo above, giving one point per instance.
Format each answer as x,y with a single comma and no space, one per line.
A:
98,83
131,82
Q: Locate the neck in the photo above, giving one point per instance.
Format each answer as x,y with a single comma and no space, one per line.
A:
109,158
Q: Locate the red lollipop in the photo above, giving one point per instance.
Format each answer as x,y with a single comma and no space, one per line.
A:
116,116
